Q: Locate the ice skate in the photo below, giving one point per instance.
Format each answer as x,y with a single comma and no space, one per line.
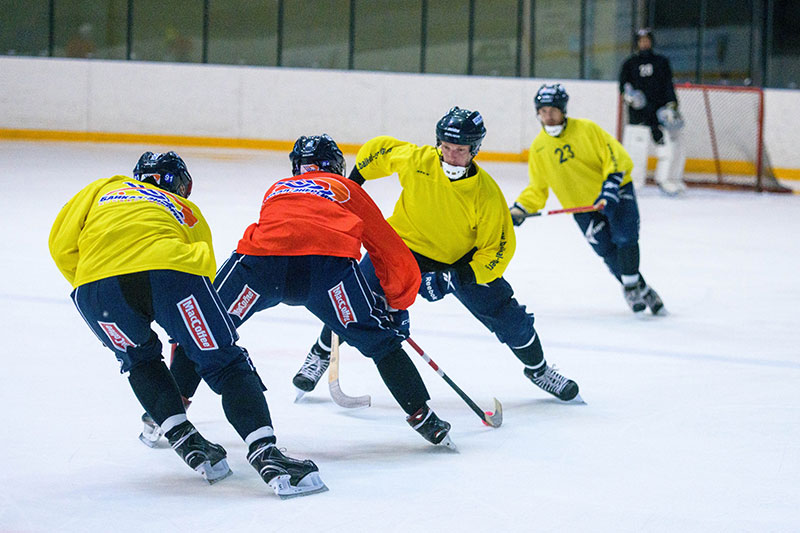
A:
313,368
653,300
549,380
634,297
431,427
151,432
201,455
288,477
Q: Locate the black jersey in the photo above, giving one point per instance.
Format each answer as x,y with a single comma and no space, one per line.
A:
651,74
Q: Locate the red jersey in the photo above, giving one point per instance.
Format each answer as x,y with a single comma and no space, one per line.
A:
318,213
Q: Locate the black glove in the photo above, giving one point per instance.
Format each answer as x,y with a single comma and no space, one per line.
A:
609,195
436,284
518,214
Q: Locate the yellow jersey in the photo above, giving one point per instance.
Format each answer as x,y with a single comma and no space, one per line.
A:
118,225
439,218
574,165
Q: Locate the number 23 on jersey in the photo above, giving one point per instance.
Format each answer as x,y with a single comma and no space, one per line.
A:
564,153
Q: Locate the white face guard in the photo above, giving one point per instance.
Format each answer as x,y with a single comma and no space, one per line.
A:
554,131
453,172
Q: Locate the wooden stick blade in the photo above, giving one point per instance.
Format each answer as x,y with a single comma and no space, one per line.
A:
340,398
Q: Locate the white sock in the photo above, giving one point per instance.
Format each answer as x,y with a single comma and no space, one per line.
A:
629,280
173,421
261,433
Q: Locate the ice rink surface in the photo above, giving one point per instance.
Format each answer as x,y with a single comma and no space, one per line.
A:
692,420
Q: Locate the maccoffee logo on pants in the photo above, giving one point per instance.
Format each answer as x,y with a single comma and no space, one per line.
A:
118,339
242,304
342,304
196,324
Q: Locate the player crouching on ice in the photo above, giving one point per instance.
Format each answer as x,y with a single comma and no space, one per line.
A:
583,164
304,250
454,218
138,251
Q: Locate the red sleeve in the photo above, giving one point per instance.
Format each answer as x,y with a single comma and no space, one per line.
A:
394,264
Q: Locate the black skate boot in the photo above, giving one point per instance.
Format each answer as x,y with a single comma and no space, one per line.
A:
547,379
634,297
431,427
201,455
288,477
652,299
308,376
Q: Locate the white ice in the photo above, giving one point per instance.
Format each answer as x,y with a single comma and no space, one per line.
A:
692,421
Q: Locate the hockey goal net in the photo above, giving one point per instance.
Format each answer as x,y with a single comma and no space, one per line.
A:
723,137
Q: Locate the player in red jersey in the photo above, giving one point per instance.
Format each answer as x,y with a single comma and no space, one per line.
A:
304,250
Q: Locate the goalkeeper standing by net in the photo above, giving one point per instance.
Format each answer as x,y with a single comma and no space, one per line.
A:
645,82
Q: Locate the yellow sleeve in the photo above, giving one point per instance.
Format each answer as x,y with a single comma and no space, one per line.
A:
374,159
615,157
495,240
63,241
534,197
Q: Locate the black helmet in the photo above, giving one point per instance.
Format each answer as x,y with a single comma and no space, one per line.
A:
461,126
165,171
317,152
645,32
553,95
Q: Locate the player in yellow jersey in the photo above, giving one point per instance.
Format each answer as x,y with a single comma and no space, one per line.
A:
137,251
584,165
454,218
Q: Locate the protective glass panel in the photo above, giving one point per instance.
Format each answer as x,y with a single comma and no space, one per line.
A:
783,64
447,35
243,32
608,38
388,35
727,53
170,30
24,27
90,29
495,47
676,31
556,36
316,34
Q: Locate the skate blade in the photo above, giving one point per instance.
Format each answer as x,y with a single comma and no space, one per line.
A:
214,473
150,439
446,442
311,484
300,394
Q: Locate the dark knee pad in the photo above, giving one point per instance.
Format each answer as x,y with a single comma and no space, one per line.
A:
244,403
155,389
403,380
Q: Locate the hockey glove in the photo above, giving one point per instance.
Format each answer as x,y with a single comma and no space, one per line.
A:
518,214
669,117
435,285
609,195
634,97
400,321
397,319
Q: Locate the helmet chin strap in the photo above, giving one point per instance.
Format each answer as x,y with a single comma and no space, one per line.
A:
453,172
